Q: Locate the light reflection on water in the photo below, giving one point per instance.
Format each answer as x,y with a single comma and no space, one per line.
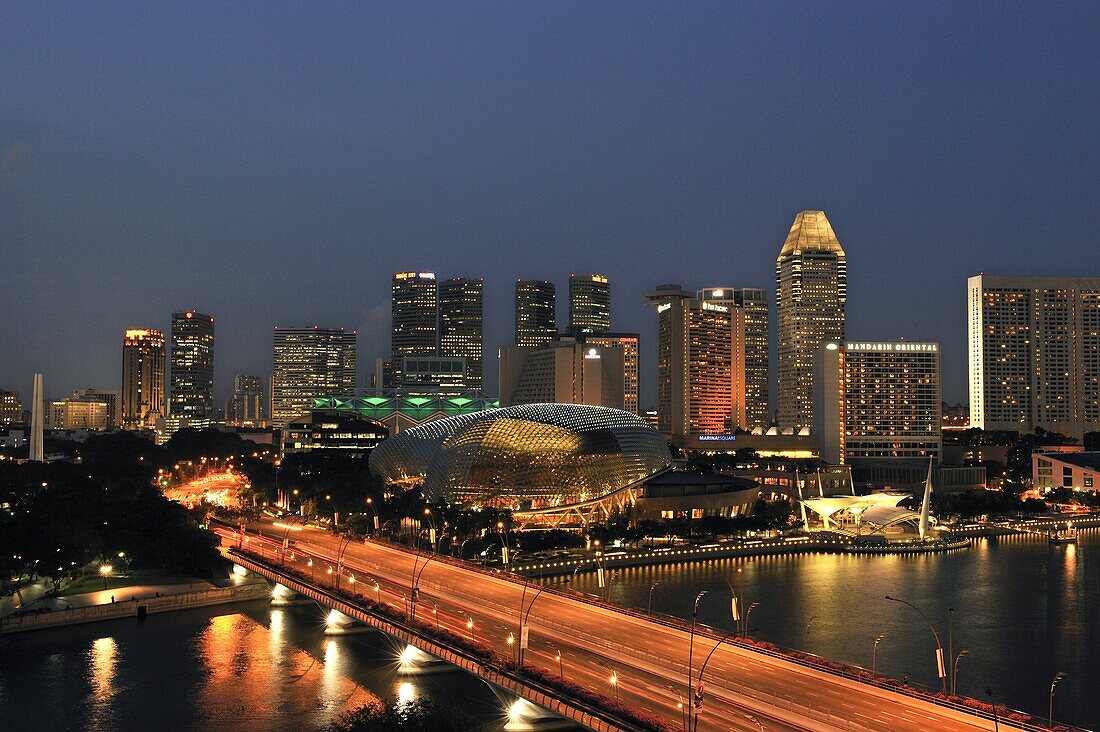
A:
261,669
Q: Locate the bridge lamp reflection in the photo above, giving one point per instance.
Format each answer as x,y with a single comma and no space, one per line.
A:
333,618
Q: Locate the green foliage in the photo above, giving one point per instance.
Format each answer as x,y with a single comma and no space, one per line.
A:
420,715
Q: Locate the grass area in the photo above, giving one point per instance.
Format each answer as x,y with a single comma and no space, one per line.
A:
93,583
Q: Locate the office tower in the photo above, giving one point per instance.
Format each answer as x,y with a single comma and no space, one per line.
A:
461,324
142,378
435,376
753,304
414,325
77,414
108,397
589,304
191,400
11,409
536,321
877,401
700,365
1034,353
309,363
246,407
811,289
37,449
628,343
565,372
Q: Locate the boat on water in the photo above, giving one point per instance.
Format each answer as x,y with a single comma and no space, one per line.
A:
1067,535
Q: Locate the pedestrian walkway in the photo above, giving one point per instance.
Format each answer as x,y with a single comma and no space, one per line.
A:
25,596
116,594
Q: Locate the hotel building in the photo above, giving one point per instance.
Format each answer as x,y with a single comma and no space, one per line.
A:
142,378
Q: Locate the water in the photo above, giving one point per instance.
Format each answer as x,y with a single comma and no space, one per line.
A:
251,667
1023,609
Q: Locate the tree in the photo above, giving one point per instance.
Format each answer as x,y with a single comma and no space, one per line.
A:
415,716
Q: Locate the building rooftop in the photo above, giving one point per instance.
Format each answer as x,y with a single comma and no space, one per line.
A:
812,232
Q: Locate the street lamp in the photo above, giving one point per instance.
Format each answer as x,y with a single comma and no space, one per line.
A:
691,639
989,693
1050,711
649,607
955,671
941,670
105,571
874,653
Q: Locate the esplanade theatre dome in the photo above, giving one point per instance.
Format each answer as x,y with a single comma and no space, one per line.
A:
528,456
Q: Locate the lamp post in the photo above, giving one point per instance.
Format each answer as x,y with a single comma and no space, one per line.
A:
503,545
415,593
874,653
340,560
940,668
697,701
432,532
691,642
649,607
105,572
613,679
470,626
955,671
806,630
1050,710
989,693
377,523
745,623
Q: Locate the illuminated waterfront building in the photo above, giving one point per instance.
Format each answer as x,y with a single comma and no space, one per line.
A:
191,399
11,409
461,322
536,320
753,304
309,363
142,378
878,401
414,327
1034,353
589,304
700,365
811,291
567,371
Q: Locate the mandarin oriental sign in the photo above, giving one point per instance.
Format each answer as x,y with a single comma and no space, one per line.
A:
900,347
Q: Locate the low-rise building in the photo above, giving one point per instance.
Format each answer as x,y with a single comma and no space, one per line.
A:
343,433
1079,471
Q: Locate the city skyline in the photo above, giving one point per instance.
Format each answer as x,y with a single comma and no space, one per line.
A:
690,177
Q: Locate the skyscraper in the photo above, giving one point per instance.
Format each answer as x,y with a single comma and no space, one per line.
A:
536,321
753,306
700,365
565,372
878,401
461,325
414,323
589,304
309,363
246,407
811,290
1034,353
628,344
142,378
192,394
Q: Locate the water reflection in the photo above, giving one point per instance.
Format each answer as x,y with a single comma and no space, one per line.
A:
103,658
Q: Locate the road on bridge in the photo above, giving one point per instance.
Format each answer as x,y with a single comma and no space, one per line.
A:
744,689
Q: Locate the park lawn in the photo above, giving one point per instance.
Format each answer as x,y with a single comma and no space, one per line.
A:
93,583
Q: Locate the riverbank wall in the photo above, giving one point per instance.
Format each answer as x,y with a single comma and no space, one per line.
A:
135,608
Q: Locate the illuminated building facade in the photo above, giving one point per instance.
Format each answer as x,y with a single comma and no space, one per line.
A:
568,371
72,414
753,304
433,375
246,408
11,409
536,319
700,365
399,411
878,401
108,397
524,457
628,344
192,395
333,432
1034,353
414,329
309,363
589,304
811,291
143,362
461,323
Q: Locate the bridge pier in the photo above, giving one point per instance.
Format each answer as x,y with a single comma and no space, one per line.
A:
337,623
283,596
523,716
415,662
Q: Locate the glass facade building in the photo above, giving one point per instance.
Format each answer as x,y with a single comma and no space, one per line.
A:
414,325
309,363
461,325
754,312
524,457
192,393
589,304
536,319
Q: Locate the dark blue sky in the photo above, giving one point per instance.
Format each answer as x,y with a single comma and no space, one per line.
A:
274,164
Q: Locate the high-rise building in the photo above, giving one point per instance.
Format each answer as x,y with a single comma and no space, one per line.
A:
589,304
700,365
564,372
415,320
11,409
536,321
108,397
191,400
1034,353
142,378
753,304
461,319
308,364
628,343
77,414
878,401
246,407
811,290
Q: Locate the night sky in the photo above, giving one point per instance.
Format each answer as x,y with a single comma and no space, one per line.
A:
275,164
